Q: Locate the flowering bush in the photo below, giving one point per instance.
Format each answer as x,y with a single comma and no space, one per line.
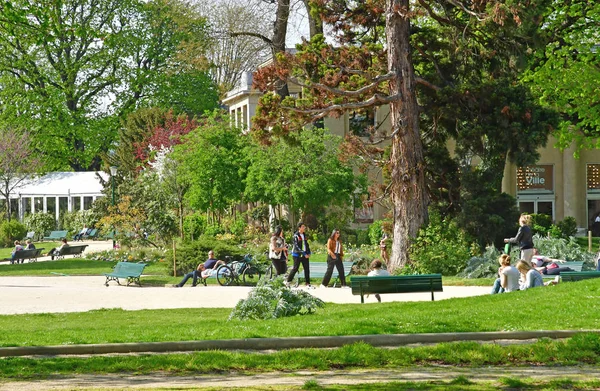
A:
139,255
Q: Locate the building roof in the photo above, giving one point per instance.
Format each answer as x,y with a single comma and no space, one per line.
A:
63,184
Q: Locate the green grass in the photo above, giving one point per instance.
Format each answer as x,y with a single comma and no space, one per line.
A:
581,349
582,241
564,306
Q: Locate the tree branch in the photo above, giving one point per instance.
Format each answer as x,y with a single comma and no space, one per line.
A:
377,99
376,81
265,39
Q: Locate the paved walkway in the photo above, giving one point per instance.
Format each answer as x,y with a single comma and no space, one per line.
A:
263,380
75,294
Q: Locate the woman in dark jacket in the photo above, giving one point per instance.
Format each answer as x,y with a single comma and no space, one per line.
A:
524,238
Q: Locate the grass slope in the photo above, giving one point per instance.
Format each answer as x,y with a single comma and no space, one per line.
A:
564,306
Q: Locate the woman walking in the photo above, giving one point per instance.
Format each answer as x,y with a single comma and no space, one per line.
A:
335,255
278,251
524,238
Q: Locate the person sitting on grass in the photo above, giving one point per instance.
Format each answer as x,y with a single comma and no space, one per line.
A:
13,254
204,270
508,279
56,251
377,271
531,277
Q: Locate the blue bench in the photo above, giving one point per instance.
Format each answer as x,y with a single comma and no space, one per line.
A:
129,270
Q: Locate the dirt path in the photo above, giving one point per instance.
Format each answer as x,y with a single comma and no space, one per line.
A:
433,373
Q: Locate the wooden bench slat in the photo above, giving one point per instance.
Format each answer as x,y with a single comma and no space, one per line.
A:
578,276
129,270
364,285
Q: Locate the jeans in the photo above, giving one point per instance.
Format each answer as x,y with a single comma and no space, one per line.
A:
297,261
193,275
337,262
497,288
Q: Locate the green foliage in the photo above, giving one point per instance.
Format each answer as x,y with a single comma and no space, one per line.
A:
190,254
440,247
567,227
376,232
567,249
313,179
272,299
194,225
75,221
540,224
40,223
213,163
134,255
483,266
10,231
362,237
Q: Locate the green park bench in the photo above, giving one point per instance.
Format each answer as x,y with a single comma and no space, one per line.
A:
129,270
30,255
93,234
578,276
364,285
318,269
56,235
575,265
76,251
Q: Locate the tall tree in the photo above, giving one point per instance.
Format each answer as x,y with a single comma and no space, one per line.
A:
373,64
70,68
19,163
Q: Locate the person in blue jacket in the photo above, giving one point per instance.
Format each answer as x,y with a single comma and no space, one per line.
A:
301,255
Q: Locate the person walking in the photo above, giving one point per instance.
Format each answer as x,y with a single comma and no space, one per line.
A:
524,238
335,255
278,251
301,255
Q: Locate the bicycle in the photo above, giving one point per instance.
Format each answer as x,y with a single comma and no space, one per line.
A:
231,272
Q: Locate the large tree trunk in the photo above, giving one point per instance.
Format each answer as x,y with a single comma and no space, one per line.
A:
279,37
408,192
315,24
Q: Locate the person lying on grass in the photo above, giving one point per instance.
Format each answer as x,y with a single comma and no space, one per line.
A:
547,265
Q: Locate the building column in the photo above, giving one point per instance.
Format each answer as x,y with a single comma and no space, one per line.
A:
572,190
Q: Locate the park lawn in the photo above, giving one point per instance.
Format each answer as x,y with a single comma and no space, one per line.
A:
565,306
582,349
70,266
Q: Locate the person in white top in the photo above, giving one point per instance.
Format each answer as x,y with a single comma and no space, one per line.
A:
531,277
509,276
377,271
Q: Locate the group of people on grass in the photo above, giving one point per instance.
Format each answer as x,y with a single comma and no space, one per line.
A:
529,270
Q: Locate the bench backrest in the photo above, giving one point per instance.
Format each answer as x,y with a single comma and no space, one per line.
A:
58,234
92,233
578,276
129,268
575,265
70,250
396,284
26,254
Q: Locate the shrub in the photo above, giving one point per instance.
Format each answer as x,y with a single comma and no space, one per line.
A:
566,249
272,299
540,224
11,231
362,237
440,247
41,223
483,266
567,227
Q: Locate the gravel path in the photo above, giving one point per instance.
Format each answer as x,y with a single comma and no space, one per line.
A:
228,380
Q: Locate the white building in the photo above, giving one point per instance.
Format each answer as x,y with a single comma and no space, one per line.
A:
58,192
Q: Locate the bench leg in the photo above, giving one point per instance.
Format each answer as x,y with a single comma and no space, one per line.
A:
432,299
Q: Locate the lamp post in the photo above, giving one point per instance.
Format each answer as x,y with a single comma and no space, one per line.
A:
113,172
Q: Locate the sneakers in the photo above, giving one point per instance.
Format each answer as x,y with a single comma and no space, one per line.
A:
309,287
345,287
323,286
